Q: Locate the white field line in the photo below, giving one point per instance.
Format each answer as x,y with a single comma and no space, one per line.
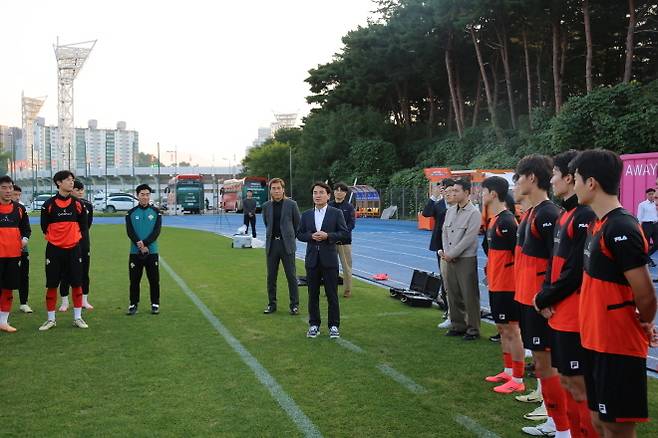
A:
303,423
401,379
474,427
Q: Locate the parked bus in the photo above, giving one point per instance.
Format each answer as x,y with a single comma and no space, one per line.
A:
185,192
235,190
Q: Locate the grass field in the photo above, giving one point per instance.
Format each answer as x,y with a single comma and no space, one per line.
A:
175,375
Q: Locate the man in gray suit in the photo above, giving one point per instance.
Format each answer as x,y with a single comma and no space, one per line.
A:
281,219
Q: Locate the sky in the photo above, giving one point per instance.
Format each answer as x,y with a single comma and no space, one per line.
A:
197,76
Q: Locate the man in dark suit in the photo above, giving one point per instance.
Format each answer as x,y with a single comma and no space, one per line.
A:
321,228
281,219
436,207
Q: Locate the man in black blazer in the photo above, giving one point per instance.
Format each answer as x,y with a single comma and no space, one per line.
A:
281,219
436,207
321,227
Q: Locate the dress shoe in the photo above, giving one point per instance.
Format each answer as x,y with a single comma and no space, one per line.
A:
269,309
454,333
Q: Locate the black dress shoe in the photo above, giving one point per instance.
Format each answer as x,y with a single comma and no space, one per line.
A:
455,333
471,337
269,309
294,311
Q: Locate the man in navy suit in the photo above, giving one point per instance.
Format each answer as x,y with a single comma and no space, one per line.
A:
321,228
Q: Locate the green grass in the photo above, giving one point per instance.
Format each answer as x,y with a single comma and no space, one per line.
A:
174,375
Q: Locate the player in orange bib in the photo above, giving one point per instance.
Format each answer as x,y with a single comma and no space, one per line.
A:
501,242
617,300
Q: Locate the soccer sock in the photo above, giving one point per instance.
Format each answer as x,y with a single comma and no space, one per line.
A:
65,301
4,318
84,300
556,403
586,427
51,315
6,299
573,413
507,362
77,312
77,296
518,369
51,300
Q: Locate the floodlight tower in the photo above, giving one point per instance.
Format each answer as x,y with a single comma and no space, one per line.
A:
30,109
70,59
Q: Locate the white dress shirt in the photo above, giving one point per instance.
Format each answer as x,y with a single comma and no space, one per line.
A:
646,212
319,217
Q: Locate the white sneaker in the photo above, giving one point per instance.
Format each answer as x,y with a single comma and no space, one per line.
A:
333,332
447,324
531,397
47,325
80,323
538,414
25,308
544,429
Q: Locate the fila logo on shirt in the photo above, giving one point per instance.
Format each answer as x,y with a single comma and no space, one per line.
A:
620,238
547,224
602,408
575,365
583,225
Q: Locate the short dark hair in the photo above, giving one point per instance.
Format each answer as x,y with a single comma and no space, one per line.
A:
342,186
603,165
464,184
17,188
561,161
6,179
510,204
649,190
141,187
448,182
61,176
250,191
497,184
321,184
541,166
77,184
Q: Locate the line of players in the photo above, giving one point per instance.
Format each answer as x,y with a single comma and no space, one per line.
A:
571,285
65,222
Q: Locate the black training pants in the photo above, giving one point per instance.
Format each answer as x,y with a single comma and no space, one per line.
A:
137,264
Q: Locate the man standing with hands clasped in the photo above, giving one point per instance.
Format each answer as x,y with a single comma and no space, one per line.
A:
321,228
460,240
143,224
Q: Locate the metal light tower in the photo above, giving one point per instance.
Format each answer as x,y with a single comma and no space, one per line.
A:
30,109
70,59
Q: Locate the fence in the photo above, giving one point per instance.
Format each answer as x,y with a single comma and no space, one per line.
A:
409,201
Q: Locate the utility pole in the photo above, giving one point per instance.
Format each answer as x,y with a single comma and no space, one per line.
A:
159,198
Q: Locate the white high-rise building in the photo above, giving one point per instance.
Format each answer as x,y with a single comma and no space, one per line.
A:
94,146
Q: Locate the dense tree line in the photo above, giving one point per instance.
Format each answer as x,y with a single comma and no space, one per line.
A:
474,83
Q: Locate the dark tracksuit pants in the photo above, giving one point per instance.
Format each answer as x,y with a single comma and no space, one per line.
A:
136,266
250,220
24,287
